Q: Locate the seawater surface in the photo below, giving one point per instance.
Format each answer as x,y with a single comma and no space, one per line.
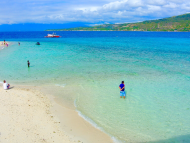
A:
89,66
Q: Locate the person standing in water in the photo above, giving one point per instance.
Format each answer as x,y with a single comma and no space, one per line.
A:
28,63
122,90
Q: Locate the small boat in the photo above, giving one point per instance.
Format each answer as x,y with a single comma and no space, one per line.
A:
38,43
52,36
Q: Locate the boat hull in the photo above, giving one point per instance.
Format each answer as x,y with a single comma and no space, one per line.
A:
52,36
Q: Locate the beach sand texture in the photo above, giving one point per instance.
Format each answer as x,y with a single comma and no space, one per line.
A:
25,118
29,115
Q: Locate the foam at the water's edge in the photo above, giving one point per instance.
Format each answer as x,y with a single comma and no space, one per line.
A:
61,85
2,48
115,140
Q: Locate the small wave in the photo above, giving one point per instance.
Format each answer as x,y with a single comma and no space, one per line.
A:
116,140
95,125
1,82
89,120
61,85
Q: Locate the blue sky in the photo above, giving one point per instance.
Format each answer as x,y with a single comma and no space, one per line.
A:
88,12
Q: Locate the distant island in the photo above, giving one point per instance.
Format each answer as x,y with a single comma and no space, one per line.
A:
179,23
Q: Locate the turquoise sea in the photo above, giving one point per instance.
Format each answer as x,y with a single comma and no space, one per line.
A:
88,68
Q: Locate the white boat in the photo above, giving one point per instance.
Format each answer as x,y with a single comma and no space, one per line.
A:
52,36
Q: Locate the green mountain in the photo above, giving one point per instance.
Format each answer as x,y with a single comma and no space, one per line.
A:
175,23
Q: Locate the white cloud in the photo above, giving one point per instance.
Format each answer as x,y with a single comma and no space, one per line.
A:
153,8
115,11
156,2
171,5
124,4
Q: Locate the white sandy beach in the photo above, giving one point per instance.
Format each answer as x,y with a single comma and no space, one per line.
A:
26,116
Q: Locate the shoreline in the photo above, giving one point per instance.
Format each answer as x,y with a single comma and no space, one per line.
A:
115,31
73,126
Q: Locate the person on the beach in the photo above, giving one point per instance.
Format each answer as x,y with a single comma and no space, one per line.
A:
28,63
19,43
122,90
4,42
6,85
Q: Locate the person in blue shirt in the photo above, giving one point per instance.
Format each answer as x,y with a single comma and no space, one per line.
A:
122,90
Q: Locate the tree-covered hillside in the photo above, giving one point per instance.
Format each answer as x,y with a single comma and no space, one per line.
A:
175,23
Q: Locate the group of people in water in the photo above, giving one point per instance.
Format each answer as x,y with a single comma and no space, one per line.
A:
5,43
121,86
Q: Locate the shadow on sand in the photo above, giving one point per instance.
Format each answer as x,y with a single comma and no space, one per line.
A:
11,87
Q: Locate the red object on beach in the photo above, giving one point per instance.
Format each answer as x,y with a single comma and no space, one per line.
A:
52,36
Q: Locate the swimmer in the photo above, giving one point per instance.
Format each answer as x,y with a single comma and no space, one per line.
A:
28,63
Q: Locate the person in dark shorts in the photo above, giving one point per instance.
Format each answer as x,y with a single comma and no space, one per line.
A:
28,63
122,90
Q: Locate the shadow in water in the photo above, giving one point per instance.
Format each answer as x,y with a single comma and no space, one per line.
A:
178,139
31,66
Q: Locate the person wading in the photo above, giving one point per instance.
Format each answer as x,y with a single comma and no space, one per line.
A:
122,90
28,63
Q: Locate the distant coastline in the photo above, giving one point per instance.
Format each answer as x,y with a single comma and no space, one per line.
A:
179,23
116,30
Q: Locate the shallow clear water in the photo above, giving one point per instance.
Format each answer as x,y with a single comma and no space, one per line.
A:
90,65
